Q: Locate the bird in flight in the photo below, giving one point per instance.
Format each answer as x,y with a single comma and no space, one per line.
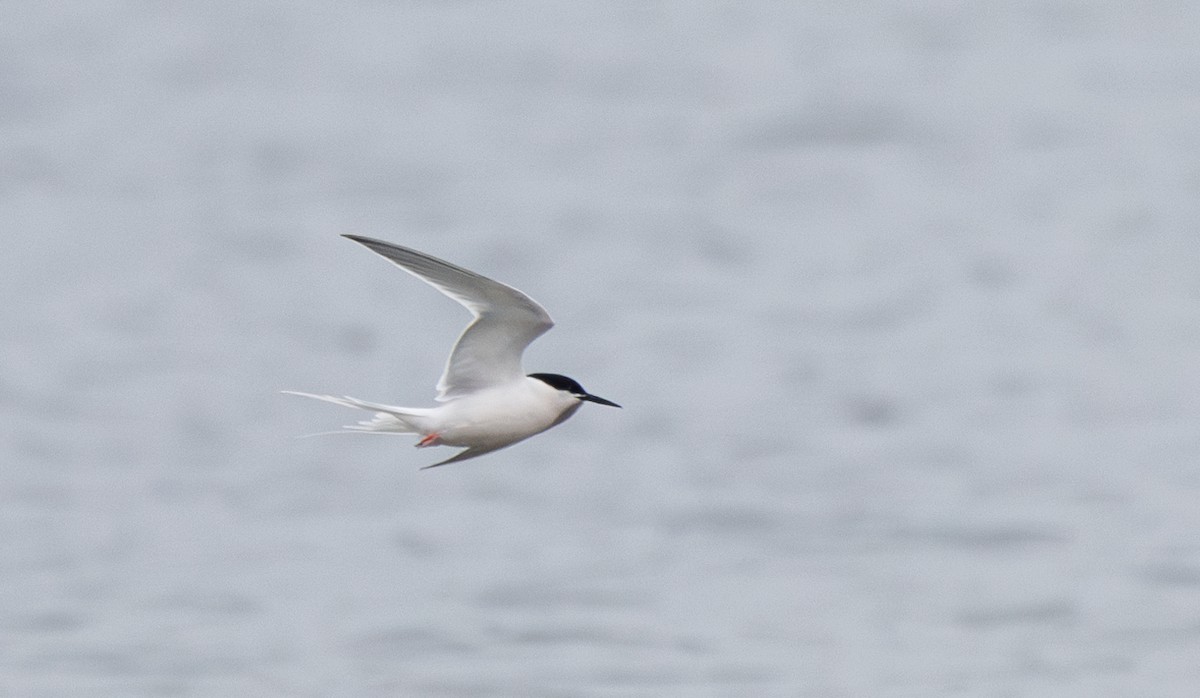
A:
487,400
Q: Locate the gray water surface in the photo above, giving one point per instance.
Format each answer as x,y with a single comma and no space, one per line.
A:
901,300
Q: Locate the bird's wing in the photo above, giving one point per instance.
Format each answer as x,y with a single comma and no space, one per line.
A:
488,352
463,455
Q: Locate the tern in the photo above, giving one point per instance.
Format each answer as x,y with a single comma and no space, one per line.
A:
488,402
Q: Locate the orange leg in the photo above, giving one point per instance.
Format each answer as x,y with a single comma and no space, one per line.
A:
431,439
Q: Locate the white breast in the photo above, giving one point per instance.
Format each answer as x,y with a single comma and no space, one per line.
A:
503,415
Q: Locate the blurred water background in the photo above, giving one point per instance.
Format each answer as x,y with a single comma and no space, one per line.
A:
901,300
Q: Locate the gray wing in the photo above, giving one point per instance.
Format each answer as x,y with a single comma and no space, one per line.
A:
489,350
464,455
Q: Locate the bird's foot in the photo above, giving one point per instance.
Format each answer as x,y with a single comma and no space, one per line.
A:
432,439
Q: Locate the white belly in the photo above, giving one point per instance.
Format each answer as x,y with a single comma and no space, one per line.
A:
502,416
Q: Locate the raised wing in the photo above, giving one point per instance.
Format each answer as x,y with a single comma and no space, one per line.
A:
488,352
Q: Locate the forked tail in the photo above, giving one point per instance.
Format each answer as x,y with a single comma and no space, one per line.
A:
388,419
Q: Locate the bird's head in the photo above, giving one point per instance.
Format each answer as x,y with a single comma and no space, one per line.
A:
571,387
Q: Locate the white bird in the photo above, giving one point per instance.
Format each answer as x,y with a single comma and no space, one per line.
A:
488,401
